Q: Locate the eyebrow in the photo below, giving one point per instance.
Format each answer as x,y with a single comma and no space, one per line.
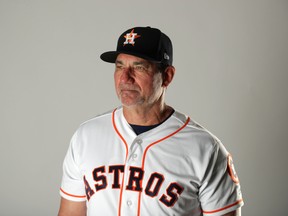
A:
144,63
118,62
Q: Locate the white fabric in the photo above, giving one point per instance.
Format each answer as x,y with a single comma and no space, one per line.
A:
188,163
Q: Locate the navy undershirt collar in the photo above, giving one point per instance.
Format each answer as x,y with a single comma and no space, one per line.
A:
138,129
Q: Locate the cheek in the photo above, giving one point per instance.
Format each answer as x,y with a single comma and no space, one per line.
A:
116,82
151,87
157,83
117,77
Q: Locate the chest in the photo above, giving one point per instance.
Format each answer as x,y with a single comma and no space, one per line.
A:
140,171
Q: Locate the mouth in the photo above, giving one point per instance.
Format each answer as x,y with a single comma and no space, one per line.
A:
128,91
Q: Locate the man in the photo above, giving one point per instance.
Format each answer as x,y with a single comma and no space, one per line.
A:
145,158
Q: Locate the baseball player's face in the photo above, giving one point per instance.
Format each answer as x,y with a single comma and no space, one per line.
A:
138,82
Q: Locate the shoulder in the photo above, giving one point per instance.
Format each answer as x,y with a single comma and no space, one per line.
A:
96,121
93,126
198,136
91,129
194,128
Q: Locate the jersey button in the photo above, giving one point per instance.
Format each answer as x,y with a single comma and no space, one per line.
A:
139,141
134,156
129,203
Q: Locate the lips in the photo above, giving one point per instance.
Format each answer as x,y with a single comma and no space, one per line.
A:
128,88
128,92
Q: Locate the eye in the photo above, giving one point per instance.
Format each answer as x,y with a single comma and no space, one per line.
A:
119,67
140,68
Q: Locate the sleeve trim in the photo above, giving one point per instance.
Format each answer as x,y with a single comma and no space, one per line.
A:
72,195
221,209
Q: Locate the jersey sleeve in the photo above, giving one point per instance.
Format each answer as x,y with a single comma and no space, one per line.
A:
72,186
220,192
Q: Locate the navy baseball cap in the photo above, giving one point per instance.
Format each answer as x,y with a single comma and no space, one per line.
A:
144,42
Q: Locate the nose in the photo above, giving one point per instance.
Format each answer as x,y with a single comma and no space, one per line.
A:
127,75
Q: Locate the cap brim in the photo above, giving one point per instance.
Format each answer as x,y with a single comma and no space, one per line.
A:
111,56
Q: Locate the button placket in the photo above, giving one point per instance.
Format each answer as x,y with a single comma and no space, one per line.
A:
135,150
130,198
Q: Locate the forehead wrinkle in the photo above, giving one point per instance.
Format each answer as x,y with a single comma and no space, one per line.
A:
135,61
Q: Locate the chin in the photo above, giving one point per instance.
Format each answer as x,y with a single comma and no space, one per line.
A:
131,104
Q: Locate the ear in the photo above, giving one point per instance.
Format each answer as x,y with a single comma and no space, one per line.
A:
168,75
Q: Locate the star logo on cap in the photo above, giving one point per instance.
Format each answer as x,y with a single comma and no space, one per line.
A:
130,37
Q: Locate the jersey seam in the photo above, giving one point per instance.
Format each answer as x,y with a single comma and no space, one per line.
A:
96,117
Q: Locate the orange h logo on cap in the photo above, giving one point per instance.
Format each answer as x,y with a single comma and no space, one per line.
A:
130,37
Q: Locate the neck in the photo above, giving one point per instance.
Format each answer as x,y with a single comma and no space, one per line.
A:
148,115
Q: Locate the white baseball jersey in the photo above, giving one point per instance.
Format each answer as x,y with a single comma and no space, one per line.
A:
177,168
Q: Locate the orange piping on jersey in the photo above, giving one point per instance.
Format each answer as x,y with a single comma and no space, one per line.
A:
76,196
144,155
121,137
221,209
126,146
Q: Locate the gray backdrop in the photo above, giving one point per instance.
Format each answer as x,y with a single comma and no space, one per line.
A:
231,59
